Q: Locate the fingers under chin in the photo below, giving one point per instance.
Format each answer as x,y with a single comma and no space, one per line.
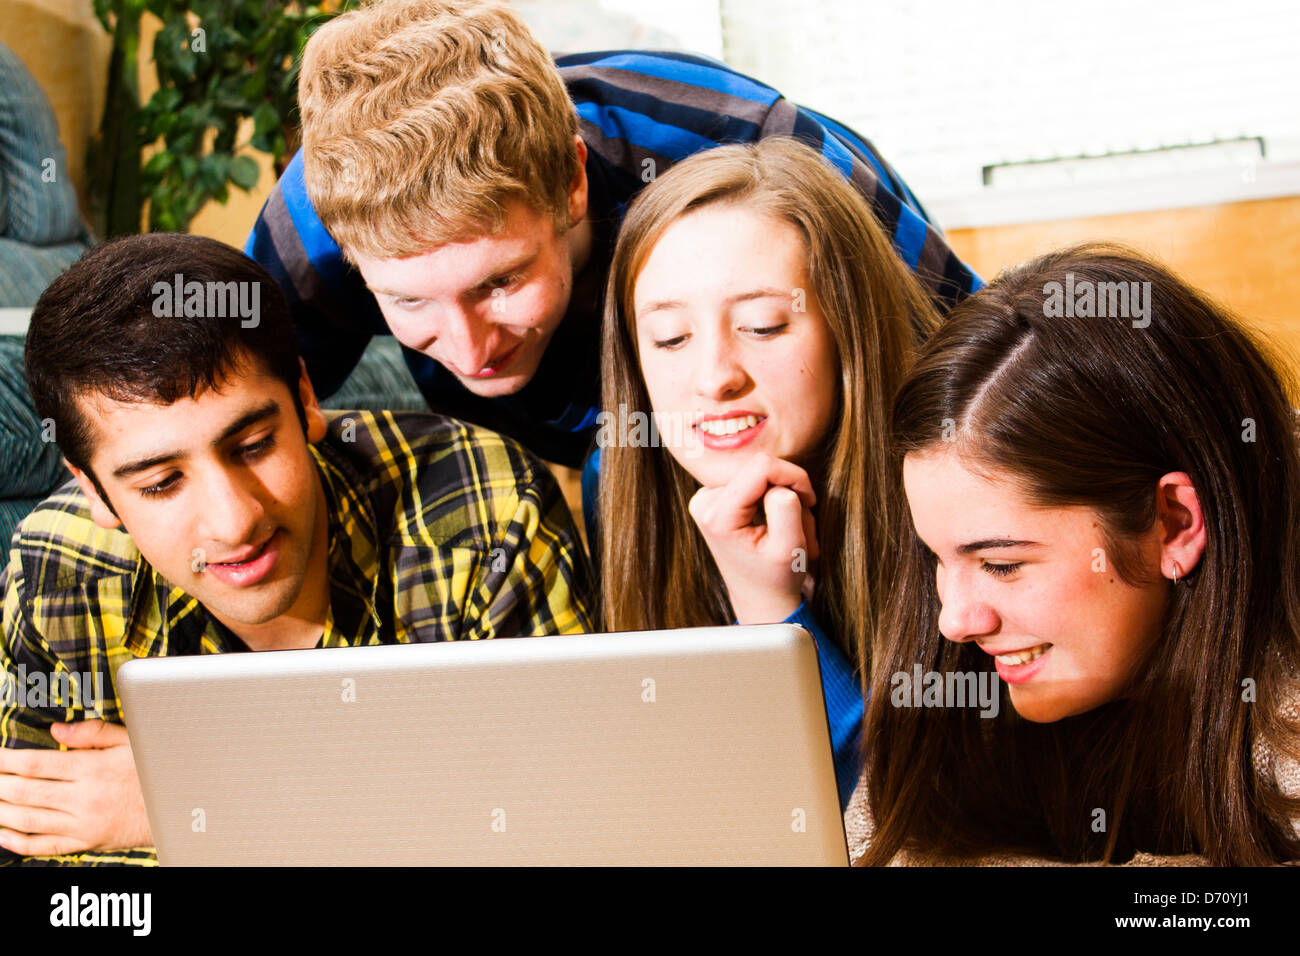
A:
717,511
810,536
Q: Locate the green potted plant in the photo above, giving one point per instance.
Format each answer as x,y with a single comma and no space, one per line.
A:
219,62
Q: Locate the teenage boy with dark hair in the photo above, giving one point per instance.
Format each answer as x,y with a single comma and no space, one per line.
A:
216,508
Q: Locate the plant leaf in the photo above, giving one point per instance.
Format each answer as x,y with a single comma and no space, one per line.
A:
244,172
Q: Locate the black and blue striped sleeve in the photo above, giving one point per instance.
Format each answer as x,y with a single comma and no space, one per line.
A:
334,314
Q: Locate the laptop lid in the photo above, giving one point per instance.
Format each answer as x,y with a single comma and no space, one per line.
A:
692,746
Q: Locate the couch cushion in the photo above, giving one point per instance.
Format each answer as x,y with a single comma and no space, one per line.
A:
13,511
381,381
29,467
37,211
26,270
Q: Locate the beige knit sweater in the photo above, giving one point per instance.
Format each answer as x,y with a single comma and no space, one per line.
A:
858,824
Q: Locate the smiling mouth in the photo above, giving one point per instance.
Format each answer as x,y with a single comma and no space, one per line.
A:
1016,658
722,427
497,364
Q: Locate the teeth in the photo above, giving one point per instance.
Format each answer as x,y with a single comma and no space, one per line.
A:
1023,657
728,426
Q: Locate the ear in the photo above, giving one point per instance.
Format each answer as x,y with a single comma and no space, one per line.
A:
100,513
1180,523
316,424
578,186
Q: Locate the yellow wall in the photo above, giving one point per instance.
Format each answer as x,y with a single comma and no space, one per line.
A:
1246,255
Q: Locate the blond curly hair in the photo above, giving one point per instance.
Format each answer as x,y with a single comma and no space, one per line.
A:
422,118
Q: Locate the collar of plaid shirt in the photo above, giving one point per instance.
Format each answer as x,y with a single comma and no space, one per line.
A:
165,620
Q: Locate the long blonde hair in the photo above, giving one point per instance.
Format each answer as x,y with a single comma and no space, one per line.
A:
657,571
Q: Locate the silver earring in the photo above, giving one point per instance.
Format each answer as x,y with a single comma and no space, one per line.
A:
1177,573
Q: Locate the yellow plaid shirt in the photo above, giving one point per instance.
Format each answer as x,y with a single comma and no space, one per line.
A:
439,531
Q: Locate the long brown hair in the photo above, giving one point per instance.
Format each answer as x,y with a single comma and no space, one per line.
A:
1093,411
657,571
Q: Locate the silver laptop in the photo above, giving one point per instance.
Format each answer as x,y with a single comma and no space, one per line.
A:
694,746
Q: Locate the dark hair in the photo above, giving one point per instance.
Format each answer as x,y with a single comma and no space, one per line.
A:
95,330
1093,411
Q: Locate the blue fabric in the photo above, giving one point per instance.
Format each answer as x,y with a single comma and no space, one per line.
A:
632,106
29,466
13,511
41,205
844,706
26,270
381,382
322,251
699,71
640,130
590,511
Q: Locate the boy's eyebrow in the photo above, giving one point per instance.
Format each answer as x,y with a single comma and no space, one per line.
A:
513,265
518,262
269,409
987,543
762,293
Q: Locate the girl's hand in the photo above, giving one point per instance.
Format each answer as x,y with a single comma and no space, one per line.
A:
758,526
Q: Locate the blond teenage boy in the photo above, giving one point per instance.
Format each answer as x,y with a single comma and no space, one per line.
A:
460,189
